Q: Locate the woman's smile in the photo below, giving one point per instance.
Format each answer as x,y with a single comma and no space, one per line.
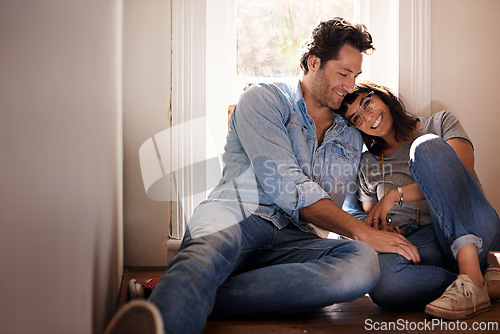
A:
377,121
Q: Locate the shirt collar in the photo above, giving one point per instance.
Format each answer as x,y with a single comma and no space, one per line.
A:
297,93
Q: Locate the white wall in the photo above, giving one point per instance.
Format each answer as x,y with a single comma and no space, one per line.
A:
466,78
146,104
60,193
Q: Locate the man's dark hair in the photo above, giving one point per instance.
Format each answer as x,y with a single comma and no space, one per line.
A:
328,37
403,122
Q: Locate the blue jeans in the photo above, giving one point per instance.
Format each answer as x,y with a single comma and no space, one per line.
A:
461,215
253,267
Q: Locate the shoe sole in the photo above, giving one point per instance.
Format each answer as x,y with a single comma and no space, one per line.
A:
455,315
136,317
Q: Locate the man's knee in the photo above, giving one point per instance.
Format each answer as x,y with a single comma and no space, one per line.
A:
366,264
369,257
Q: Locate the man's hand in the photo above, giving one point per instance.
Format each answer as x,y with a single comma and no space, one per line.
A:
329,216
388,242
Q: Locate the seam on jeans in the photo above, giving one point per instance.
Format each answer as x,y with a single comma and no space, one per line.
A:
276,231
303,248
239,200
270,246
255,249
426,266
404,263
430,203
429,244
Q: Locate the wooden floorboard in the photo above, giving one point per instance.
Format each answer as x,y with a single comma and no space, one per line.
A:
359,316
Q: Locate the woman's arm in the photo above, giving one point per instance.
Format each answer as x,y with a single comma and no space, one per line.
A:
380,210
411,192
368,206
463,148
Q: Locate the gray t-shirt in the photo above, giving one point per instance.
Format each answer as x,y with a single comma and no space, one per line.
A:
397,172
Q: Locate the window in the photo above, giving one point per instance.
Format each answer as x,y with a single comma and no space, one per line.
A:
259,41
217,42
269,34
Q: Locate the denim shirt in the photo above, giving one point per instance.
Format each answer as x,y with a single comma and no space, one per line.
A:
273,164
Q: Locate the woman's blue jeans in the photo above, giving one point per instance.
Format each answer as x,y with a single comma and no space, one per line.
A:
252,267
461,215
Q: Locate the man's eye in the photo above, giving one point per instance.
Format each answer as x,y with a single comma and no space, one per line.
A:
342,74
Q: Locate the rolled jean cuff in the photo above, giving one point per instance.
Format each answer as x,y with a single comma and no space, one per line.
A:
465,240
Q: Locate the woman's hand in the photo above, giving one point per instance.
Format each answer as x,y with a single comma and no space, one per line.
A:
377,218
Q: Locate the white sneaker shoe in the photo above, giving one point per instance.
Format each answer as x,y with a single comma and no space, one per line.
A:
492,273
136,317
461,300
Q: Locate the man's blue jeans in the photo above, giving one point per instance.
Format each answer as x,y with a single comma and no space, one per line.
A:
253,267
461,215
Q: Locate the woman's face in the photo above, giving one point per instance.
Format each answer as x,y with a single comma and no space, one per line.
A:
370,115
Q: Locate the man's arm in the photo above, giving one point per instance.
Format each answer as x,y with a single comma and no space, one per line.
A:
259,122
329,216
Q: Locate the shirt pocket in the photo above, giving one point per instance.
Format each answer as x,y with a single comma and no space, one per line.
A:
340,172
300,140
337,150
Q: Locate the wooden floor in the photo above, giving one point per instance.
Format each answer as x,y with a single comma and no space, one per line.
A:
359,316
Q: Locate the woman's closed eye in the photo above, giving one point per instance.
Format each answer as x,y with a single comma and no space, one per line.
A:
357,118
368,104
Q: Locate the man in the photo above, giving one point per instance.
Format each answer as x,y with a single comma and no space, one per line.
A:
253,246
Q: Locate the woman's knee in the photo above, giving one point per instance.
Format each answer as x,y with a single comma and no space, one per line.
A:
427,142
387,291
429,147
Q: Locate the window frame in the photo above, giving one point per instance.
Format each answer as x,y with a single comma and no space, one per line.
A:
189,96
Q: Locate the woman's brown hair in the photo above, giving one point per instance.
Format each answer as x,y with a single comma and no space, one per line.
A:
403,121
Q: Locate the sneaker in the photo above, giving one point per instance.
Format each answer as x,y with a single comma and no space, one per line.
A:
494,258
461,300
136,317
492,273
141,289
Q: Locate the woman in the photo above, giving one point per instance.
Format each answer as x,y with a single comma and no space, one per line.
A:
411,162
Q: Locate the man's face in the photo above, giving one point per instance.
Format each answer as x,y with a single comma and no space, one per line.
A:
336,78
